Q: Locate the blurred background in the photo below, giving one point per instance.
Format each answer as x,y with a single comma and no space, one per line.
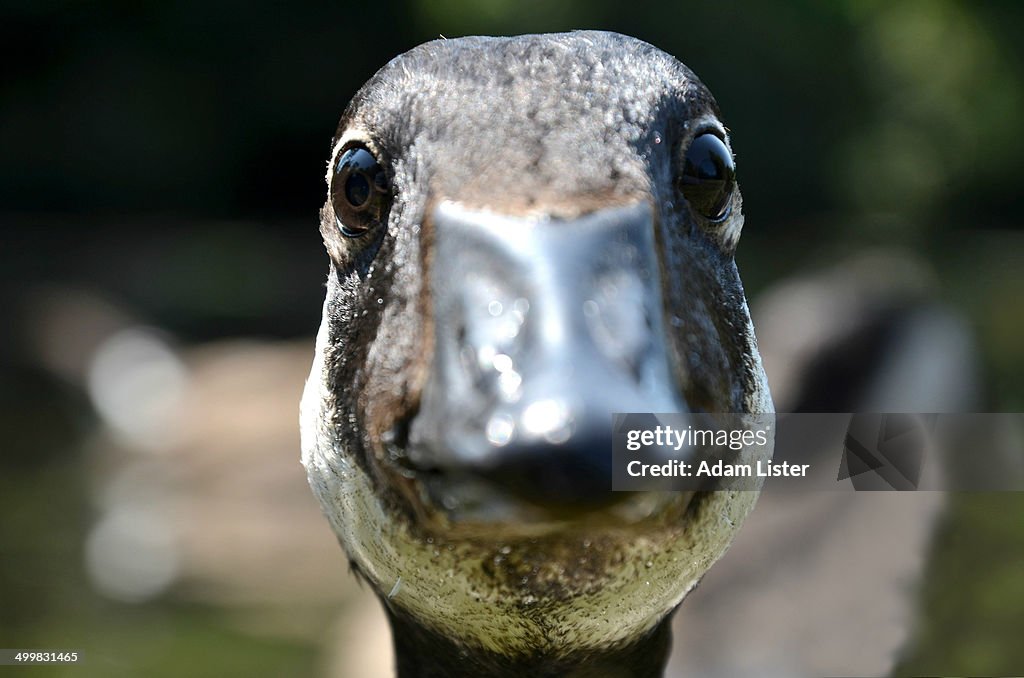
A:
161,275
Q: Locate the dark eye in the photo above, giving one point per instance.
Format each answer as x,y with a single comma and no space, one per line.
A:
359,192
708,176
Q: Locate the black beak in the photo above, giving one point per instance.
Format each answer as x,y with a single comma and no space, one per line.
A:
542,329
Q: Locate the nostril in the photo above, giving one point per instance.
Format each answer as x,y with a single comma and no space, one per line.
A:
489,338
619,322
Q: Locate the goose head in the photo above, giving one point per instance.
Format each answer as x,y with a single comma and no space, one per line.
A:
525,235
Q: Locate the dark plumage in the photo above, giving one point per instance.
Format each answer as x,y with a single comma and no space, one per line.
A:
525,237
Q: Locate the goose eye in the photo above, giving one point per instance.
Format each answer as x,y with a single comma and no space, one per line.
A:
708,176
359,192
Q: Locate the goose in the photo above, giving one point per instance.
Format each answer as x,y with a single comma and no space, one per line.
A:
525,235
